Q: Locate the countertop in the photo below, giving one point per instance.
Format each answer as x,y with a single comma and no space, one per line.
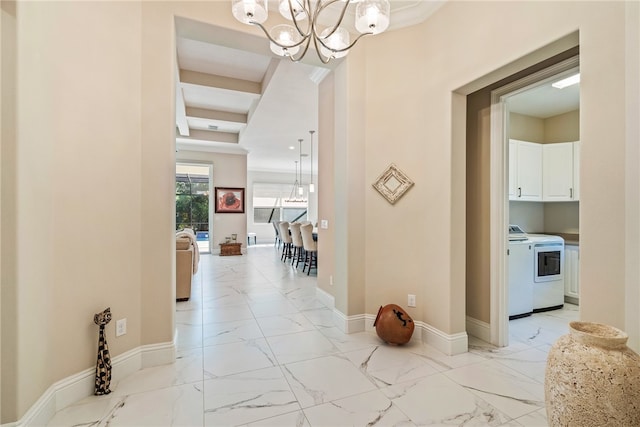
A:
569,238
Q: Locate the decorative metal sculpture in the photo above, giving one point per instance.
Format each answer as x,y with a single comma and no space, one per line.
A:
103,366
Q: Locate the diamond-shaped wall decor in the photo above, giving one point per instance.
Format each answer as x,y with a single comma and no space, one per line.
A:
392,184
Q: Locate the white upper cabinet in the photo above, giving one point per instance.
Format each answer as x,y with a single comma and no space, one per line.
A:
557,172
525,170
544,172
513,166
576,170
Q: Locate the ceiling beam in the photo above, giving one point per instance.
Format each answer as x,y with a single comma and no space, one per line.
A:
212,136
181,117
222,116
229,83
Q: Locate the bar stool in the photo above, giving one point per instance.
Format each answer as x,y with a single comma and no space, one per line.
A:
286,240
310,248
296,238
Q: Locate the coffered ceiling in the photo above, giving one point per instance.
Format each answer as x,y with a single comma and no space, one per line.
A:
234,96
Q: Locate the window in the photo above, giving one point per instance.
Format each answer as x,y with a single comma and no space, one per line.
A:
273,202
192,202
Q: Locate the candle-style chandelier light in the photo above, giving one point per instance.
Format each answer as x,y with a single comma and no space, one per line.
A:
371,17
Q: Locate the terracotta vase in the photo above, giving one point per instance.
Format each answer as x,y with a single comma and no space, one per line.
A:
393,324
592,378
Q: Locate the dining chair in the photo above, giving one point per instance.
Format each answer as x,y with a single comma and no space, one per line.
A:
310,248
286,240
296,238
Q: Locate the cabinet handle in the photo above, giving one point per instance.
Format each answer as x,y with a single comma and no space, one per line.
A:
519,191
571,193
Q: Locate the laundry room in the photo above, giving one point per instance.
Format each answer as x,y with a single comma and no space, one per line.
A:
544,196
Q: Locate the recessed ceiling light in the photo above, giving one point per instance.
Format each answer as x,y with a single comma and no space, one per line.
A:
291,147
569,81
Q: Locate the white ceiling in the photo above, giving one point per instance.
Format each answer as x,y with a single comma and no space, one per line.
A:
234,96
545,101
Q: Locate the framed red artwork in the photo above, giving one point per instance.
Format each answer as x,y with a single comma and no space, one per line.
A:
229,200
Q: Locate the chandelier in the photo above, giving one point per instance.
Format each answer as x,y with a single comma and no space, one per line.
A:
371,17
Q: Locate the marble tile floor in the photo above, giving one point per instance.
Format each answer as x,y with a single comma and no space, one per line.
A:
256,348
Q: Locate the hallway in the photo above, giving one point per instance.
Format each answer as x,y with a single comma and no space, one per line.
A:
255,347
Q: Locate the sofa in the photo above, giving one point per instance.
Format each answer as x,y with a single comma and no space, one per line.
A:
187,259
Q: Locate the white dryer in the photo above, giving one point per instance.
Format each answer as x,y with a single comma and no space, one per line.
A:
548,272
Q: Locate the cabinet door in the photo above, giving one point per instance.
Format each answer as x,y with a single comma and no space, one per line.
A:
513,170
557,172
576,170
529,157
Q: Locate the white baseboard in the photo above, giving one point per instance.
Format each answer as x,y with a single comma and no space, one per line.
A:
446,343
325,298
479,329
76,387
424,333
349,324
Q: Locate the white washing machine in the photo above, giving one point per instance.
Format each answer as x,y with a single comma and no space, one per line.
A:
520,265
548,272
520,277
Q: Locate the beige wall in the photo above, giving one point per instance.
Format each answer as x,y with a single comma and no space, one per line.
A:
526,128
478,210
409,117
393,103
325,187
76,193
8,337
94,226
563,127
229,170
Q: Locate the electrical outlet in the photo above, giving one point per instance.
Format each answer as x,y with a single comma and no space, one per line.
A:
121,327
324,224
411,300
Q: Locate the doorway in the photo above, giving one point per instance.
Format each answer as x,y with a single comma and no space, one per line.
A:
193,194
512,119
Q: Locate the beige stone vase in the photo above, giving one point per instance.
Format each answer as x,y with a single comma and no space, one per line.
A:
592,378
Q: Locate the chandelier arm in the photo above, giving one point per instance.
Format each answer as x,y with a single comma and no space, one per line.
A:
321,7
272,40
343,49
307,11
303,53
320,55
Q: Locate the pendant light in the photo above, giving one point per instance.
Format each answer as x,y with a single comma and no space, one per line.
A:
312,188
300,189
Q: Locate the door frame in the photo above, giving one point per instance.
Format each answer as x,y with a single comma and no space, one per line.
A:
209,165
499,184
